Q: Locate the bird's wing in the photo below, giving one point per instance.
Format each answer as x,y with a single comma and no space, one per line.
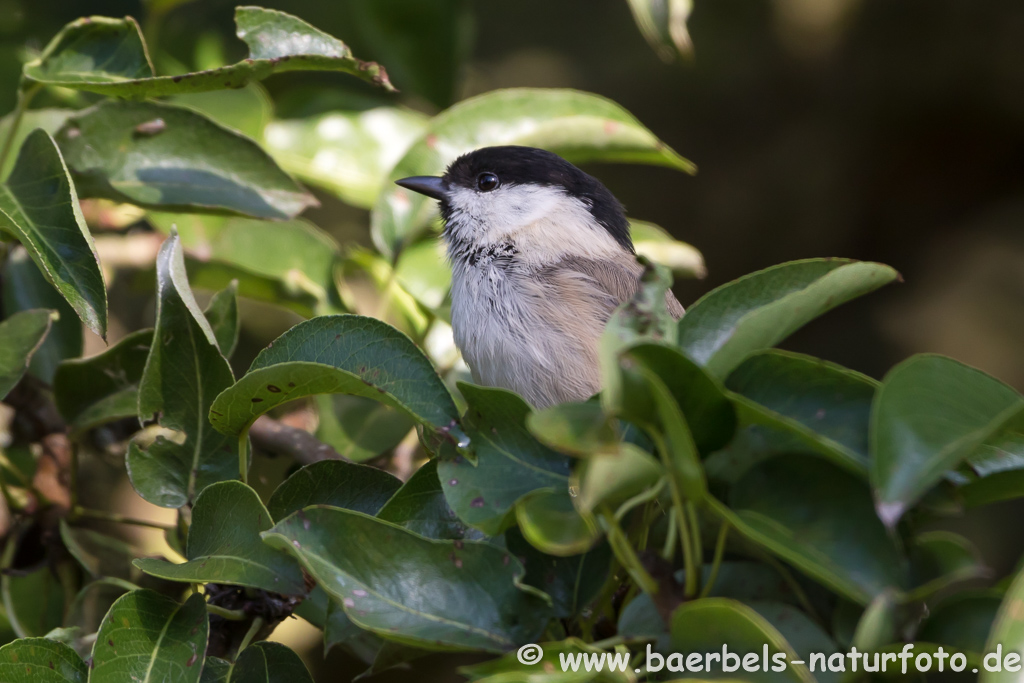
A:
618,279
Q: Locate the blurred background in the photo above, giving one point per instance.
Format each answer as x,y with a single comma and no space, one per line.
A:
885,130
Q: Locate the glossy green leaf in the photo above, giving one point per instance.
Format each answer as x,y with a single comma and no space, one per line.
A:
420,506
150,637
336,483
20,336
610,479
551,523
571,582
345,354
102,388
166,157
1003,452
360,428
658,245
266,662
48,119
26,288
340,631
184,372
929,415
224,545
575,428
994,488
825,407
39,208
91,604
402,586
108,56
580,126
222,314
877,625
759,310
39,660
510,462
705,625
663,25
346,152
821,520
804,636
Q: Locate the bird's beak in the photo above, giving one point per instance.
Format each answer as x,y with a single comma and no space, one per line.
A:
431,186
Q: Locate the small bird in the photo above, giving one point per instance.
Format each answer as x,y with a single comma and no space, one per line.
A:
541,256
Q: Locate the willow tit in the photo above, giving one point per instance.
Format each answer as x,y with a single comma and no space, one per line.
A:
540,255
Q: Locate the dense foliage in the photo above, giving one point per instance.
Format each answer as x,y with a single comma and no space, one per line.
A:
717,491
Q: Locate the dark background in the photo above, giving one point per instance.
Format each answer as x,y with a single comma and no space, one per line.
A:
887,130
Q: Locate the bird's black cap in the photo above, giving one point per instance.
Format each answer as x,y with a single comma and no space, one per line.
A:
516,165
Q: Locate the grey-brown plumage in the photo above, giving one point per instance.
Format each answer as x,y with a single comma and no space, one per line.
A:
541,256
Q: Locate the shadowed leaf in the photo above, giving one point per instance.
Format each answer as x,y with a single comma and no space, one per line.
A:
39,660
20,336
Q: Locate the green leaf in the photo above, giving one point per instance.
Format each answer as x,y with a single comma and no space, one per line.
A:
215,671
939,559
336,483
21,335
420,507
102,388
345,354
266,662
108,56
609,479
222,314
546,668
803,635
658,245
25,288
930,414
99,554
360,428
820,519
165,157
288,264
551,523
1007,632
580,429
825,407
224,545
149,637
33,602
348,153
423,272
48,119
579,126
759,310
184,372
510,463
386,578
969,619
39,208
663,25
39,660
571,582
994,488
704,625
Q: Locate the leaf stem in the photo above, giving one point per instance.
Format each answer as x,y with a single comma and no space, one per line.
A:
229,614
698,544
24,98
668,551
257,624
639,499
716,563
79,512
626,555
689,565
243,456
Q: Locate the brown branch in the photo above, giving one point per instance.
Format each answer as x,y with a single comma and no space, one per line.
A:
277,438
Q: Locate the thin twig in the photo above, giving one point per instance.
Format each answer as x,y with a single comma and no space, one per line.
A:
275,437
24,97
117,518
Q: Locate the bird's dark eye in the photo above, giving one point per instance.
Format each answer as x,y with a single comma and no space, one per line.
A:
485,182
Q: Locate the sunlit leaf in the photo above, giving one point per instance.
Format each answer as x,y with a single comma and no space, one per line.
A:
663,25
386,578
759,310
930,414
39,208
346,152
551,523
184,372
659,246
108,56
166,157
580,126
150,637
